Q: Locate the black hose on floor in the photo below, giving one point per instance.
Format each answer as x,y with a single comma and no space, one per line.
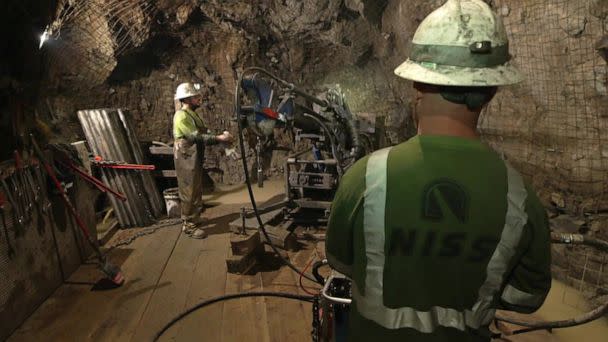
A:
201,305
315,270
237,108
598,312
587,317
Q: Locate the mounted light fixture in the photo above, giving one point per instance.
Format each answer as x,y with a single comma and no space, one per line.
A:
51,31
44,36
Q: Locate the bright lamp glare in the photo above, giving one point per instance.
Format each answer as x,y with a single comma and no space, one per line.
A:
43,38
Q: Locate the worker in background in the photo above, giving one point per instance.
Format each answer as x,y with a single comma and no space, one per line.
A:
439,232
190,135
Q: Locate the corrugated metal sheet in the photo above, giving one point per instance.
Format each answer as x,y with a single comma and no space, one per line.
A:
156,201
110,135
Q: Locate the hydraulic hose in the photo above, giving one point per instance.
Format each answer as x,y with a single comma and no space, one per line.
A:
246,170
336,100
579,239
201,305
354,135
569,239
545,325
289,85
332,141
315,270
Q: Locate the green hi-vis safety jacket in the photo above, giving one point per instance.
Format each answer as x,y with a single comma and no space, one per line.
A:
436,234
188,125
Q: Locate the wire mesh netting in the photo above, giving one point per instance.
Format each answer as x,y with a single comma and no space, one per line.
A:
554,125
89,35
587,273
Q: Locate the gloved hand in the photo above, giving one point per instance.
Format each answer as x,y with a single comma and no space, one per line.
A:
225,137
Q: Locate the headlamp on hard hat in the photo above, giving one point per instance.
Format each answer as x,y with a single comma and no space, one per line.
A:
463,43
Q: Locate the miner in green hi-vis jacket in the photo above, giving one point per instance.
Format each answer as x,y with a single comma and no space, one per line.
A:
439,232
190,137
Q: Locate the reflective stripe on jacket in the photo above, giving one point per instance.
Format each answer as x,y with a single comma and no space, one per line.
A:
511,272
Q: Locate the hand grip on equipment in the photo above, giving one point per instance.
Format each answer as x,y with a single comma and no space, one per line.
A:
227,137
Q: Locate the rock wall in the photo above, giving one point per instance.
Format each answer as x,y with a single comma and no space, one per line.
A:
553,125
313,43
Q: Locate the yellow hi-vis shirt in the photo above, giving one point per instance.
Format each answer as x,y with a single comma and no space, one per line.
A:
188,125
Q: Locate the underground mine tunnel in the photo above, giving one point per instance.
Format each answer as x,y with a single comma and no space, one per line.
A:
316,170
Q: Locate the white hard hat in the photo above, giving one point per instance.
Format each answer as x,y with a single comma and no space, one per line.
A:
186,90
462,43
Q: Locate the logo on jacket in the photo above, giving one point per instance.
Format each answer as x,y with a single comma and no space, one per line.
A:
445,197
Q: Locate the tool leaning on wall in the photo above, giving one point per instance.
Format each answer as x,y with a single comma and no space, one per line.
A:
24,194
113,272
11,250
26,182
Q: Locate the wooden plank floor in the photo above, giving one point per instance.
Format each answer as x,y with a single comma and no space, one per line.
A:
168,272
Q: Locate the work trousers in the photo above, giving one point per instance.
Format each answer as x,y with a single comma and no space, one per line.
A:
188,158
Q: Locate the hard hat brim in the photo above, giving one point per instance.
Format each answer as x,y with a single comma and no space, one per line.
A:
182,97
446,75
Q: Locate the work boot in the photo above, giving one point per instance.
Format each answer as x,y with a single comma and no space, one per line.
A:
188,227
198,233
198,220
190,224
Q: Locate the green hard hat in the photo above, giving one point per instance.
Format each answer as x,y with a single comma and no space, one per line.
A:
462,43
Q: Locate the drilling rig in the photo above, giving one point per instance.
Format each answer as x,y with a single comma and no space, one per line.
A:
334,138
326,139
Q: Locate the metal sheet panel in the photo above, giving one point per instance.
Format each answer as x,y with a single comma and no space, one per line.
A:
110,135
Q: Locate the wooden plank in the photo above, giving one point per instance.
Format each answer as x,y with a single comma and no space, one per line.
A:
169,173
280,237
320,250
507,328
243,244
143,275
244,319
161,150
307,203
251,222
75,313
265,208
209,281
165,173
243,264
300,260
169,298
288,320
